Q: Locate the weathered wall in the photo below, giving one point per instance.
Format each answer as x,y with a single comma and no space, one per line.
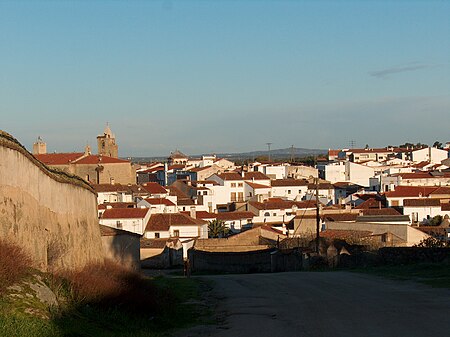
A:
51,215
231,262
123,249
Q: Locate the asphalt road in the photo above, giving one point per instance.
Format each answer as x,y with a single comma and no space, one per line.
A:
325,304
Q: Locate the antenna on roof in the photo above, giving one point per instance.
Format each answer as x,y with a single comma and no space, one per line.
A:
352,143
268,147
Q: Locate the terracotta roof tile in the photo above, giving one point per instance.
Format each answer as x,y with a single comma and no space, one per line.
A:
255,175
162,222
125,213
159,201
410,191
95,159
58,158
154,188
423,202
256,186
230,176
288,182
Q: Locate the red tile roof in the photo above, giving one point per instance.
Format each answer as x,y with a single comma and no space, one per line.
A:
95,159
162,222
117,205
227,216
276,203
344,234
256,186
288,182
154,188
423,202
230,176
58,158
201,215
380,211
255,175
441,190
341,217
410,191
159,201
125,213
445,207
105,188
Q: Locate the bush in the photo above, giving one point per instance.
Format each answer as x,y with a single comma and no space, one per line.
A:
110,285
14,264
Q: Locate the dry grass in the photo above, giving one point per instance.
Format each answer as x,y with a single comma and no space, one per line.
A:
14,264
110,285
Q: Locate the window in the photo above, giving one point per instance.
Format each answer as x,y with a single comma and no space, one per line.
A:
241,196
156,235
394,203
240,185
299,191
267,214
233,196
176,233
274,214
289,191
205,192
233,184
250,194
119,224
199,193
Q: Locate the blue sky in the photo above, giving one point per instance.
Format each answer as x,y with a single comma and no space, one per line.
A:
225,76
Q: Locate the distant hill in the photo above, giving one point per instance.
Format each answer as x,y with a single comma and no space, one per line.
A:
276,154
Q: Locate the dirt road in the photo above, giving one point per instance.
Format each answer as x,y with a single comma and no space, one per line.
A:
326,304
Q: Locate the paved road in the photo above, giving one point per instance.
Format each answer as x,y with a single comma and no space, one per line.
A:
326,304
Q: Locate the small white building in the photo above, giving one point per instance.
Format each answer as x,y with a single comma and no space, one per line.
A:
129,219
176,225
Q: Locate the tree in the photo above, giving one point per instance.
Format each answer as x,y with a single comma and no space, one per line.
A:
217,229
437,144
436,220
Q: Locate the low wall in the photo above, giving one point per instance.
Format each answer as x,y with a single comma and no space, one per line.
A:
161,258
51,215
231,262
405,255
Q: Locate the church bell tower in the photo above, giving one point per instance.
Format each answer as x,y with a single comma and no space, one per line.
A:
107,144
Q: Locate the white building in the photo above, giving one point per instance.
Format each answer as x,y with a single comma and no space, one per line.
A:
176,225
128,219
430,154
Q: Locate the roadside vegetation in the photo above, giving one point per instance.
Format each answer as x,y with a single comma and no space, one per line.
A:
433,274
99,300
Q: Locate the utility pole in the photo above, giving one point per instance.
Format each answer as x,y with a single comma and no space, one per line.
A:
268,146
292,153
317,216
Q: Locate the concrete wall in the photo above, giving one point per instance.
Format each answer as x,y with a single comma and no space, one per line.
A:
51,215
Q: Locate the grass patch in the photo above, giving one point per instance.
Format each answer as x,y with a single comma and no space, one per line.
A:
184,309
433,274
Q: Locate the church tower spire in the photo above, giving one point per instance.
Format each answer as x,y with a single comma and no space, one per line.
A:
106,143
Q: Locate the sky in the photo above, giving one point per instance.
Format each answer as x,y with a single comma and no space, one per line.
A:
225,76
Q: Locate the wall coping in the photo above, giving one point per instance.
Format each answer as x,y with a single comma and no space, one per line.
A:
8,141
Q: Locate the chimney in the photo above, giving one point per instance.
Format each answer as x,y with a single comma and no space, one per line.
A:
87,150
193,213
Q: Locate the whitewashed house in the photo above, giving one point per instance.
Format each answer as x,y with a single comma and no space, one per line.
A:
175,225
129,219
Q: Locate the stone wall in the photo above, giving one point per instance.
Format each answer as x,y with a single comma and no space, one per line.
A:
52,215
231,262
404,255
